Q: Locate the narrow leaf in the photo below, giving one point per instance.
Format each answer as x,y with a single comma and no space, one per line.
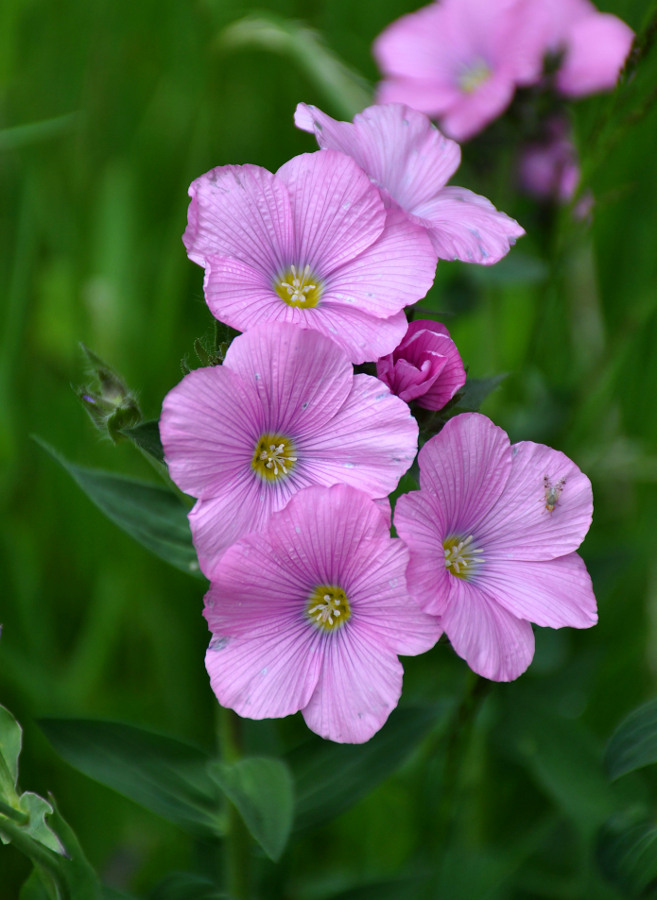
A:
626,852
183,886
10,748
165,775
634,743
152,515
332,777
262,790
344,87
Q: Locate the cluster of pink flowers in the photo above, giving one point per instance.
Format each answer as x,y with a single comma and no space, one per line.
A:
292,456
461,61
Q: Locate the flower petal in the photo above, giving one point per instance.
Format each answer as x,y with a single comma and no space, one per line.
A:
399,148
337,211
240,211
245,505
363,337
494,643
418,522
465,467
369,443
521,526
394,272
463,225
243,296
554,592
263,658
598,46
382,608
209,427
358,688
301,377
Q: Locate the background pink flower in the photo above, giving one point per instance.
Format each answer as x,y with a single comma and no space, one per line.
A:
312,245
411,161
549,169
284,411
458,60
594,45
310,615
492,534
426,367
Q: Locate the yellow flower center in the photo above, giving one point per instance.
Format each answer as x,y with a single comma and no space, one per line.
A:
461,558
298,288
474,76
273,457
328,607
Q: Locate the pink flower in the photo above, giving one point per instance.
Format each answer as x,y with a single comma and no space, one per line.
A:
310,615
458,60
492,534
312,245
594,45
549,169
426,367
411,162
284,411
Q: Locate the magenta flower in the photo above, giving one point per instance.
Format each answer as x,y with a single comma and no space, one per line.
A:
426,367
594,45
411,162
312,245
492,534
310,615
458,60
284,411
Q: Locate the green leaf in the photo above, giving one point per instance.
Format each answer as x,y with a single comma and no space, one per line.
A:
33,888
10,748
634,743
146,436
344,87
37,809
110,893
565,761
152,515
263,791
626,852
183,886
332,777
165,775
475,392
34,132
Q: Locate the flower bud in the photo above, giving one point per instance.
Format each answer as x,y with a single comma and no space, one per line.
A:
426,366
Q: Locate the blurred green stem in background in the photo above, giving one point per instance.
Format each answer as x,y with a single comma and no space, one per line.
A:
237,843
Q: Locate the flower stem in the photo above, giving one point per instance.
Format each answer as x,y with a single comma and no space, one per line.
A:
458,739
237,851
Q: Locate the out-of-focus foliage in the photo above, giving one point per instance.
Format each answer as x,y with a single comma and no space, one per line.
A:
107,112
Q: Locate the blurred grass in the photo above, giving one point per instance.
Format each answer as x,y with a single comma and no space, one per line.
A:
107,112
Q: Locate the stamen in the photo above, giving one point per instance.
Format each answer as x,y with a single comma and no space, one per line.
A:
298,288
328,607
273,456
461,558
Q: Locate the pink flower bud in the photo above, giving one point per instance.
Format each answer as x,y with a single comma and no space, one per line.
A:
425,367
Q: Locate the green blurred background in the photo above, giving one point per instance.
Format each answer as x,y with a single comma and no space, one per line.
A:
107,111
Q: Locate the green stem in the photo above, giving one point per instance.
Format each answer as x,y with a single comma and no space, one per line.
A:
16,814
237,856
458,739
41,857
